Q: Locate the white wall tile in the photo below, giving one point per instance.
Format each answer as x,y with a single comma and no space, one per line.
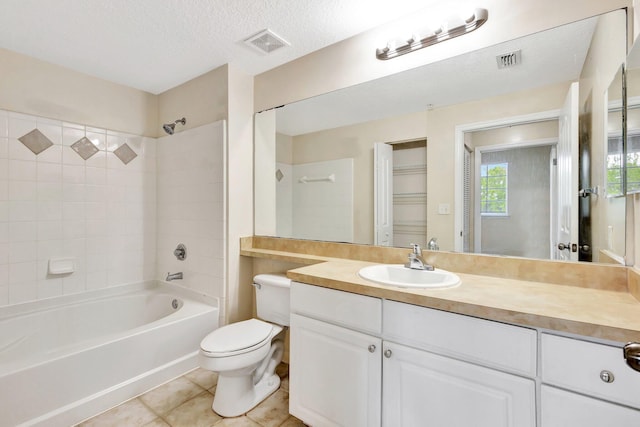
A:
4,125
189,195
49,172
18,151
22,210
23,190
74,284
23,231
4,148
70,135
52,154
98,160
51,131
4,253
49,230
22,272
57,204
73,192
49,288
22,170
73,174
4,211
70,157
21,252
50,210
23,292
20,126
4,275
4,232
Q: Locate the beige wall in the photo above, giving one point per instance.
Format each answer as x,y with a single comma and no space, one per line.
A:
438,126
31,86
353,61
284,149
201,100
441,124
240,193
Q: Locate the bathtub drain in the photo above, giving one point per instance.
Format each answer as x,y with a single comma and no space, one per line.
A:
174,303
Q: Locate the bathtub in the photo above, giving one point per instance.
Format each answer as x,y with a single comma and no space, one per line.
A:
65,359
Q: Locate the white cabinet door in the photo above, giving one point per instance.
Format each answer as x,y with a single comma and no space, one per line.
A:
335,375
565,409
424,389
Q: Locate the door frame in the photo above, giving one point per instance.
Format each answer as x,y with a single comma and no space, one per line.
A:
458,167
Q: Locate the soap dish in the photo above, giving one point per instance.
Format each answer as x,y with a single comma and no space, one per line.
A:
62,265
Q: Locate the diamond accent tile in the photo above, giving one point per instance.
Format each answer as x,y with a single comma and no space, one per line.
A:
35,141
125,153
84,147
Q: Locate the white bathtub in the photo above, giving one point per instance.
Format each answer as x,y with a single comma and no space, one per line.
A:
65,359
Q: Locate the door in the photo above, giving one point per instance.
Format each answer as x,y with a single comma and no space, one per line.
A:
335,375
567,209
565,409
422,389
383,194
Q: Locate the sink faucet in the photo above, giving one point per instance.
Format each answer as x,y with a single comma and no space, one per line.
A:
174,276
415,261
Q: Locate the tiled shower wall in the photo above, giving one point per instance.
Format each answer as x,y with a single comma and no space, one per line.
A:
191,209
56,204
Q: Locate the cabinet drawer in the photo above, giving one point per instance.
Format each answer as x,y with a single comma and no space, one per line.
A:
565,409
340,308
577,365
505,347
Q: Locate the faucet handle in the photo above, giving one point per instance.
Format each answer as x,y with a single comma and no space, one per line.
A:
415,249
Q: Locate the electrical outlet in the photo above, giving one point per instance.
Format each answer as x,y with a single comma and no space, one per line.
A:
444,209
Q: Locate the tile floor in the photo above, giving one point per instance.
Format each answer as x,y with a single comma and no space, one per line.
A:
186,402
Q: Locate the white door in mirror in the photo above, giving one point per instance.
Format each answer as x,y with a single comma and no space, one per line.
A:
399,275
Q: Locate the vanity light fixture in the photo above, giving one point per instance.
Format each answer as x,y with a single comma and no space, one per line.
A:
452,28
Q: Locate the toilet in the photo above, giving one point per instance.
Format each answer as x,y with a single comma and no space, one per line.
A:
245,354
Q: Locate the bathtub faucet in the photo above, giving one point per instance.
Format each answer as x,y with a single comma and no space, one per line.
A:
174,276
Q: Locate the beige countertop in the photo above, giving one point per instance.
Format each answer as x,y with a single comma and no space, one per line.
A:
608,315
597,301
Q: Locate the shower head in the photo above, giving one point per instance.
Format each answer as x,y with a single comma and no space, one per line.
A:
171,127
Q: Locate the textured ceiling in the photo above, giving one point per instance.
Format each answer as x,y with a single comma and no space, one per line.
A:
154,45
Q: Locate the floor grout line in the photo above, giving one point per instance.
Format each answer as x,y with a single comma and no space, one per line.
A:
265,414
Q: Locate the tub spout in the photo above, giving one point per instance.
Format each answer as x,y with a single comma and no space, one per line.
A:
174,276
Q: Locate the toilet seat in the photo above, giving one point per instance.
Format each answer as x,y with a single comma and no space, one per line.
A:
237,338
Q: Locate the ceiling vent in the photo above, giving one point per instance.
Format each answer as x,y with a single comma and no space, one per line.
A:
509,60
266,41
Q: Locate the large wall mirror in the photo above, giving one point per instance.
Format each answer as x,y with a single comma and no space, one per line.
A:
499,151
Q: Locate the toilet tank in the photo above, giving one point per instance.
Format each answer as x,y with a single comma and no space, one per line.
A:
272,298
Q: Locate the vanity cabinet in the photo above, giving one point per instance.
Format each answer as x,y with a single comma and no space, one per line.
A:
445,369
586,384
352,366
334,374
335,357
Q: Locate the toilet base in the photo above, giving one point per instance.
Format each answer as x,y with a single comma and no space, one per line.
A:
239,394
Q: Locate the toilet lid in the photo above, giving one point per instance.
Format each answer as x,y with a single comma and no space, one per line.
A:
237,336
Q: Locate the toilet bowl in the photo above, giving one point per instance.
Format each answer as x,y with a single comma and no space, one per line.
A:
245,354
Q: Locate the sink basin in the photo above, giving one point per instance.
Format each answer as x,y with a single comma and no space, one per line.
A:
399,275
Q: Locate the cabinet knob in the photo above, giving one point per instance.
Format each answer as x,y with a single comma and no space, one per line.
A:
372,348
607,376
387,353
